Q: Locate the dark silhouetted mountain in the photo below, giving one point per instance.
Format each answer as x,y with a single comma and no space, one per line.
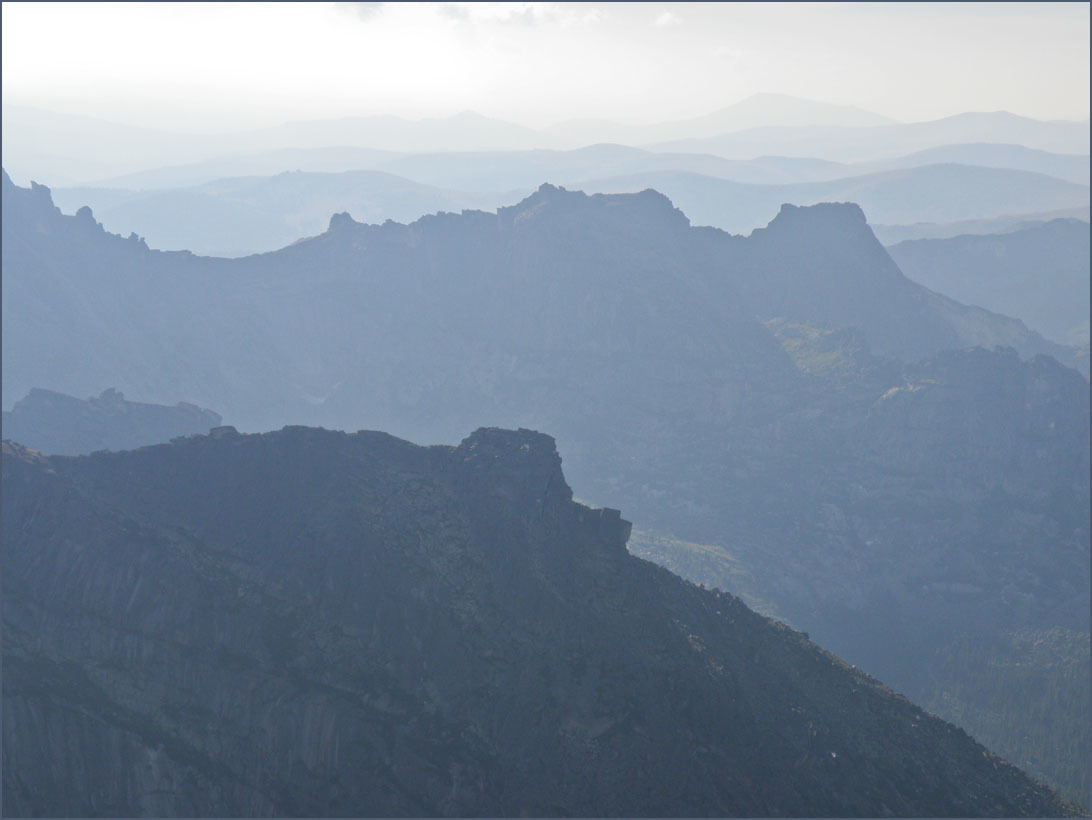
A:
63,425
1039,274
374,628
633,337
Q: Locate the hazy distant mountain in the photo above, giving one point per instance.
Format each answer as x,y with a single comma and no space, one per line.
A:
931,193
477,170
262,163
379,629
39,145
510,170
827,470
466,131
506,170
234,217
891,234
1039,274
880,142
64,425
1070,167
756,111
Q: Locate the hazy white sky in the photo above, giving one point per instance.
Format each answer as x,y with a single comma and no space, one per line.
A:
212,66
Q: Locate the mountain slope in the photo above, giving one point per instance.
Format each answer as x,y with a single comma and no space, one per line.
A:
1039,274
420,631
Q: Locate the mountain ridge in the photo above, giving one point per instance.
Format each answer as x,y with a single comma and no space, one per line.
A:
552,709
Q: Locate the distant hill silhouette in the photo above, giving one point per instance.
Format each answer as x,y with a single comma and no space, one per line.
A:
879,142
63,425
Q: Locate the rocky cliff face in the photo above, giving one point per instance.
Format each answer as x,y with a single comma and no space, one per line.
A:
64,425
314,623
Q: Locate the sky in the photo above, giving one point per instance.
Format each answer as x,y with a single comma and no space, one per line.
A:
228,66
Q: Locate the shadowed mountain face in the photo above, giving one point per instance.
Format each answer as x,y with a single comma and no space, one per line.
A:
63,425
374,628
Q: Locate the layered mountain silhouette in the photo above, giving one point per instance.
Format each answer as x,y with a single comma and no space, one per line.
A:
879,142
927,193
893,234
375,628
239,216
789,399
64,425
234,216
37,144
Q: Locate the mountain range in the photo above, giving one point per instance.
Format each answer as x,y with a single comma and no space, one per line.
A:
256,214
789,400
878,142
37,144
378,629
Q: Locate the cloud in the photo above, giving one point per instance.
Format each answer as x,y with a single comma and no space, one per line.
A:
666,19
563,14
365,11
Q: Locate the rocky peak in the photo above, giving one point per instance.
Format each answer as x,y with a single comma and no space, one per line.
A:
825,217
646,208
522,462
340,221
29,204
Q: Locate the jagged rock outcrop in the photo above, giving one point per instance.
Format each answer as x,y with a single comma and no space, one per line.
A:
370,628
64,425
822,265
